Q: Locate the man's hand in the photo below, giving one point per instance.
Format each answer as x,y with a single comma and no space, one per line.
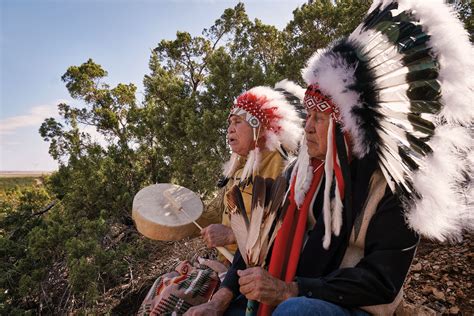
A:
258,285
215,307
218,235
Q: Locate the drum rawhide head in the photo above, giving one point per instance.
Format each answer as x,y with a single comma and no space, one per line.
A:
166,211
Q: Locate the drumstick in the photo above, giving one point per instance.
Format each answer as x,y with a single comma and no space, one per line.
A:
226,253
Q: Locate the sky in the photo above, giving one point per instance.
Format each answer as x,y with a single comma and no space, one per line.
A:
40,39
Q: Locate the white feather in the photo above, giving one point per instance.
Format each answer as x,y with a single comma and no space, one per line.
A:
258,159
256,222
337,212
329,172
443,213
237,223
249,166
291,87
231,165
290,131
303,171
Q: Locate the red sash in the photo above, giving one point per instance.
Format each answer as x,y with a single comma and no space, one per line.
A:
289,240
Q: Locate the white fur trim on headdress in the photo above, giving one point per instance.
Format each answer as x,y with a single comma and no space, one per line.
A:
329,173
303,171
231,165
443,208
251,164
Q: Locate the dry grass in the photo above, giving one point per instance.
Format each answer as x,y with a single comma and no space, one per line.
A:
21,179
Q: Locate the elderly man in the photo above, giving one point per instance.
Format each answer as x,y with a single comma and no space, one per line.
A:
388,113
264,128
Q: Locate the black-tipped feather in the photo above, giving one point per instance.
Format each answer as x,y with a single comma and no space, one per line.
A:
268,186
238,218
240,204
258,196
254,240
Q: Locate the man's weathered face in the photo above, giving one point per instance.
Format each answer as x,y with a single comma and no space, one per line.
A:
316,131
239,135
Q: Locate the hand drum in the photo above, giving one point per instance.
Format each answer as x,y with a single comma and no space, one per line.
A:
166,211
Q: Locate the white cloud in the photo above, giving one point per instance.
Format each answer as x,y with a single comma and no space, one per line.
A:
94,134
35,117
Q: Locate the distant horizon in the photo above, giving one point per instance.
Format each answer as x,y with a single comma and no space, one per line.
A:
25,171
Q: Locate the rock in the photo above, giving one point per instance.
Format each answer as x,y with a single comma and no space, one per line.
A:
460,294
451,300
454,310
427,289
438,294
416,267
407,309
438,307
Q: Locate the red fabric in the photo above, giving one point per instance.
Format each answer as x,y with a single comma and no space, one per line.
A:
289,240
337,166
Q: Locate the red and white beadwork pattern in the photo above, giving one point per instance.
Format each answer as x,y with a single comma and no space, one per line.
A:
314,99
256,107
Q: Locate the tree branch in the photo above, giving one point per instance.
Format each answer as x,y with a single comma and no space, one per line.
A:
45,209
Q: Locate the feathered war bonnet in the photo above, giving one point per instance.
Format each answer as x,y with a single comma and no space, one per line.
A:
401,87
273,116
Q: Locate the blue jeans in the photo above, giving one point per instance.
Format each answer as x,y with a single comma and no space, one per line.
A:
302,306
237,306
297,306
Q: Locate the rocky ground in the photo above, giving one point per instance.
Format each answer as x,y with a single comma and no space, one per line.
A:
440,279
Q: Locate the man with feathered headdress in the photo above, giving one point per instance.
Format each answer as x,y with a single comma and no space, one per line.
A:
264,130
387,157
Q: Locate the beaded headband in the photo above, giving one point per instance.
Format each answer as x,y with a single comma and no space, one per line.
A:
315,100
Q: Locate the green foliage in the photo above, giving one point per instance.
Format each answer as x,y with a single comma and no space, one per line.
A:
32,243
314,26
464,10
86,244
19,273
